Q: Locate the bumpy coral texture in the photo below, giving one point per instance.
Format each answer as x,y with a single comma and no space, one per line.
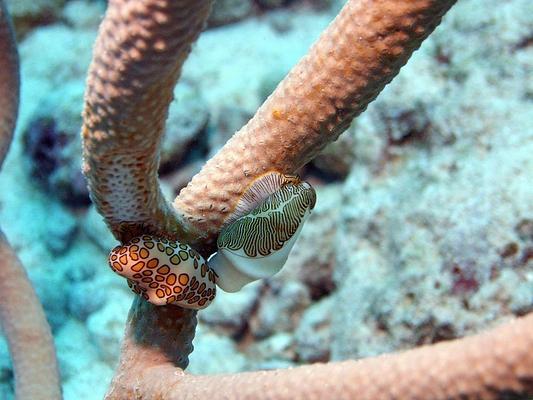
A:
494,365
21,315
357,55
130,86
165,272
138,55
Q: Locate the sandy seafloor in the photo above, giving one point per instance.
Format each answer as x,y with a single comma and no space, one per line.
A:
423,229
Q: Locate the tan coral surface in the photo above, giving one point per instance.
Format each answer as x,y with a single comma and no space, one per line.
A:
359,53
129,88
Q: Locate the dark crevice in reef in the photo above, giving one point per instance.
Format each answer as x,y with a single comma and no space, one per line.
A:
47,148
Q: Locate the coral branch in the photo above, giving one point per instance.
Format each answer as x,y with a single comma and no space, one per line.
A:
495,364
137,60
28,334
138,55
359,53
21,315
154,336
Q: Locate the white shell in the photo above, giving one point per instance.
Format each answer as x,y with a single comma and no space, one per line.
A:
257,245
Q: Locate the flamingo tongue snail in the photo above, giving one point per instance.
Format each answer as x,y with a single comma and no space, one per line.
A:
165,272
259,235
254,244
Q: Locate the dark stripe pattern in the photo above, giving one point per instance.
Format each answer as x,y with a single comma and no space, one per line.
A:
271,224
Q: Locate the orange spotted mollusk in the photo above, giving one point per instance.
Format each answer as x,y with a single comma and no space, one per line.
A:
165,272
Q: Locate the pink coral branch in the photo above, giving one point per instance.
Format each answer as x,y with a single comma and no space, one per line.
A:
361,51
497,364
138,56
27,331
21,314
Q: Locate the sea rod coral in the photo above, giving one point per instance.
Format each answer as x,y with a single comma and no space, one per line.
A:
21,315
129,86
137,59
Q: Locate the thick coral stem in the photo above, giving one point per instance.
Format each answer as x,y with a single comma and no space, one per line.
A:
155,335
138,55
497,364
359,53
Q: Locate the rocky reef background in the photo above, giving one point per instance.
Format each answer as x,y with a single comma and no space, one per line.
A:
423,229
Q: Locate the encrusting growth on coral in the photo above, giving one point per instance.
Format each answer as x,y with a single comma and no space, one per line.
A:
142,350
134,68
21,314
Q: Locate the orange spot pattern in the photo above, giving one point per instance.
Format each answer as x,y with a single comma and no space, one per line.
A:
165,272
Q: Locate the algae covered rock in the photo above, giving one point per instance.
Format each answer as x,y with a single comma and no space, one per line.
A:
431,243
